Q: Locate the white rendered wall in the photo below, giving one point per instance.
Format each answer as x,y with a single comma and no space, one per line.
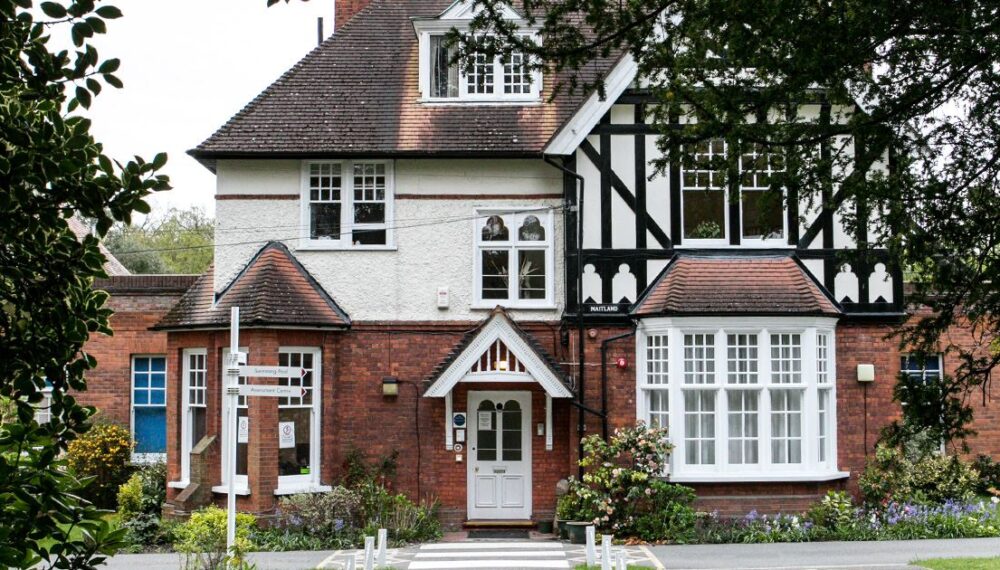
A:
398,284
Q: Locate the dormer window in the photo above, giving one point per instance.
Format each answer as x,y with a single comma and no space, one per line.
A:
501,78
480,78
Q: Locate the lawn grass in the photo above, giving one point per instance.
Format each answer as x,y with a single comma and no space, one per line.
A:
960,563
77,533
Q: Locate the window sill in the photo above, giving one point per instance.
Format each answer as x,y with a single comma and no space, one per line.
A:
177,484
759,477
512,306
306,488
320,246
224,489
482,101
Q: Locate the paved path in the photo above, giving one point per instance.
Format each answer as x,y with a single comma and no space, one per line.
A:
541,554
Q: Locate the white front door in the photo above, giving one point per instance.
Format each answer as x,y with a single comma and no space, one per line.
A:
499,479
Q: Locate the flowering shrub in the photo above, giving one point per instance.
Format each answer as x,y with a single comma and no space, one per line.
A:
103,453
621,490
202,540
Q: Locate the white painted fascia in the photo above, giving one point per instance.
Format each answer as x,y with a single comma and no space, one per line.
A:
498,328
569,137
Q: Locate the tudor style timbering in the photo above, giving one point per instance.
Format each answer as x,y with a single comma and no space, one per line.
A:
635,218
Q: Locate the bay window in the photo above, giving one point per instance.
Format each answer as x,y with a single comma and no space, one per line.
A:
757,396
514,262
298,422
194,417
347,204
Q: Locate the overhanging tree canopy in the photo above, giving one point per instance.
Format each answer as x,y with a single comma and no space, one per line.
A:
916,140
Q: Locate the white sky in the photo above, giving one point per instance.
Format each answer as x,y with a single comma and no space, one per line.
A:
189,65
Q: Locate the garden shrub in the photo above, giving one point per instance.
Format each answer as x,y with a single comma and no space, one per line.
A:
666,514
989,475
404,520
890,476
103,454
331,517
834,511
202,539
140,500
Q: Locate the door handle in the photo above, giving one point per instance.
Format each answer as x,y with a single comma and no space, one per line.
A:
477,469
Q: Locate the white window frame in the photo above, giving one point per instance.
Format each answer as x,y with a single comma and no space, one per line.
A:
513,246
242,481
429,29
724,242
145,457
290,484
186,405
674,328
923,376
347,225
43,411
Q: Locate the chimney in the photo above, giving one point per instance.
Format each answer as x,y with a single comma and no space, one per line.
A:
344,10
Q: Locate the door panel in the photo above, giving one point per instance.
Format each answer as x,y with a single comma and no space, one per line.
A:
499,455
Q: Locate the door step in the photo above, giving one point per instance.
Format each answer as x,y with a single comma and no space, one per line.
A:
500,524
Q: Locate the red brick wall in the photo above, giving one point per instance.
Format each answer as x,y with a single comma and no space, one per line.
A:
108,385
355,414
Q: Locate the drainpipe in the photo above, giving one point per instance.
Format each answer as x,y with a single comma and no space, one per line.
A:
579,301
604,378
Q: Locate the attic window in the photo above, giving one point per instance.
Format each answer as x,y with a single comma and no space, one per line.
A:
500,78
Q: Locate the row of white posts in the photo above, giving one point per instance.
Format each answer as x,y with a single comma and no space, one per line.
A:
620,560
374,553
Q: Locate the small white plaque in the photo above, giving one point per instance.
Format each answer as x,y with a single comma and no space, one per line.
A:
286,435
460,435
243,430
485,420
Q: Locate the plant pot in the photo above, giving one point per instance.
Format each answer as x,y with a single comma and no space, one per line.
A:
577,531
562,527
545,526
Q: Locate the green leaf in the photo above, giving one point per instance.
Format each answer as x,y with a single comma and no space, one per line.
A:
112,80
109,66
94,85
159,161
83,96
53,10
97,25
109,12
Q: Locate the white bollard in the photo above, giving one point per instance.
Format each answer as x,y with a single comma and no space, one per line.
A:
382,539
349,565
369,553
606,552
591,547
620,563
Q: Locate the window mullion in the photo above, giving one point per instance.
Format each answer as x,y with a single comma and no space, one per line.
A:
514,272
721,403
765,399
810,402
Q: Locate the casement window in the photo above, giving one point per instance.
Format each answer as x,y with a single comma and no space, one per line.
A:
149,406
43,412
194,405
502,78
298,421
755,397
347,204
705,196
926,371
514,263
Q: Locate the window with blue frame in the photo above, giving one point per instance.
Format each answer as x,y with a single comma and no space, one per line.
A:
149,404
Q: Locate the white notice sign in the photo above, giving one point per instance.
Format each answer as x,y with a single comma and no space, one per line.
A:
272,391
273,371
286,435
243,430
485,420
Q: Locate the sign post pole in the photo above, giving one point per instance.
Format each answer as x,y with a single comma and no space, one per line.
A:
232,396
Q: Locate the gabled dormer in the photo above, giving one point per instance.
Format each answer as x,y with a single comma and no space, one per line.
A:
501,79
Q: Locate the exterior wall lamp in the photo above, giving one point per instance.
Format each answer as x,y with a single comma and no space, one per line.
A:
390,386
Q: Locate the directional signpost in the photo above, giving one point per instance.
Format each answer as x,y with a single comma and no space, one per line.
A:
236,368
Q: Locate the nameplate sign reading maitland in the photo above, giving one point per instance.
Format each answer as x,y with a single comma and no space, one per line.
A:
272,371
272,391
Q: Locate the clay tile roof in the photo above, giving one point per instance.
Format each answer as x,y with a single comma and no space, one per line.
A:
469,336
711,285
272,290
357,93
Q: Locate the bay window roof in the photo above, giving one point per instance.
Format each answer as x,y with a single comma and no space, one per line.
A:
729,285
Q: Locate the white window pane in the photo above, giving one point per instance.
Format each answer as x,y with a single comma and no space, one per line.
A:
657,359
786,358
699,358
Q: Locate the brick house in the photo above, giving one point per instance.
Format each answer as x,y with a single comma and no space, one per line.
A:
477,276
128,387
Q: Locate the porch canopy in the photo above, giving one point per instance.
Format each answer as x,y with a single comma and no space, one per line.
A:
498,351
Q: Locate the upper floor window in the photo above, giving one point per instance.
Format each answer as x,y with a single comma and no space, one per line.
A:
347,204
705,196
514,258
499,78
